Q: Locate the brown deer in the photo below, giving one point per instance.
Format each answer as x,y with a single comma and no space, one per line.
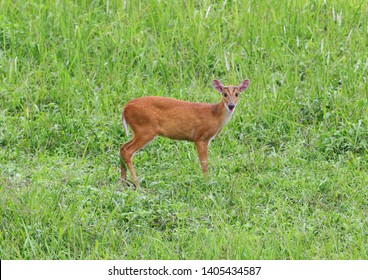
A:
150,116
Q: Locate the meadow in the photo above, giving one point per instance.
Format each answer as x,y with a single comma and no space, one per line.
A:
288,175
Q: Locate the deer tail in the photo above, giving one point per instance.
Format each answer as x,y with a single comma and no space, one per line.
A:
125,124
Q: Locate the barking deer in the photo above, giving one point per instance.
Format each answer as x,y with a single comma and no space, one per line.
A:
151,116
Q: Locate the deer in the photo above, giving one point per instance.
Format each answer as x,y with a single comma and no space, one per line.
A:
152,116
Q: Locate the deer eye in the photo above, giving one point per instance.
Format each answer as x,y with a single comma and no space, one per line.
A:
236,94
225,95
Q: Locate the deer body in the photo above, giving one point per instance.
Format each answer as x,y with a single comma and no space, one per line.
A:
151,116
193,121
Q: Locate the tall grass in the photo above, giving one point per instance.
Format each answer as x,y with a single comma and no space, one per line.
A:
288,175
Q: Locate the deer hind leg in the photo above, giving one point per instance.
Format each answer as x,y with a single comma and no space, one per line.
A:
122,161
127,151
202,149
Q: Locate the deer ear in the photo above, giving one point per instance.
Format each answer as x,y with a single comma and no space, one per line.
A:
244,85
217,85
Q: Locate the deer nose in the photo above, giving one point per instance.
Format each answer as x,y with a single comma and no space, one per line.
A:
231,106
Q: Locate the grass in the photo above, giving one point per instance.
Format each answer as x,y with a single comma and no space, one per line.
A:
288,175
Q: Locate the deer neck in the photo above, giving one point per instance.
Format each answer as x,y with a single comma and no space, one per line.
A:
221,113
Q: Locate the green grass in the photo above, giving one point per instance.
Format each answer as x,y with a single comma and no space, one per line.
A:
288,176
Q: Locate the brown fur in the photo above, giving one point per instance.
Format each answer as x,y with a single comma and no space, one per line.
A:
151,116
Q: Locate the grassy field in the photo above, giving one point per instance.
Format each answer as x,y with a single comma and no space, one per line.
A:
288,176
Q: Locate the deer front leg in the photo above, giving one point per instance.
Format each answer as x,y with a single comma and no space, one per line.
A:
202,148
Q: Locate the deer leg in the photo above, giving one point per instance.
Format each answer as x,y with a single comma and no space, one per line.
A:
127,151
122,161
202,148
